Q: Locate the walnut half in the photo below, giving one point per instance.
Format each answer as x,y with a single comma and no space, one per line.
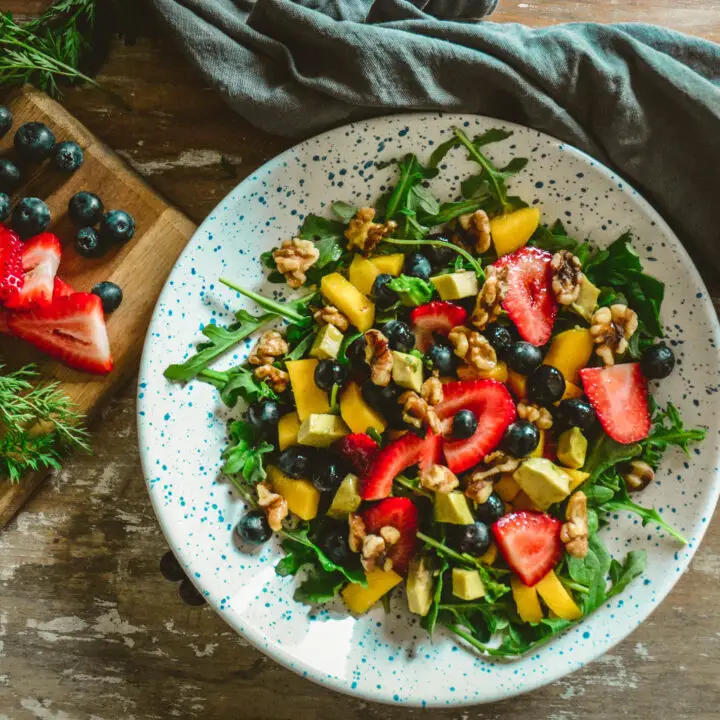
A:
270,346
379,356
611,328
574,533
364,234
567,277
294,258
473,347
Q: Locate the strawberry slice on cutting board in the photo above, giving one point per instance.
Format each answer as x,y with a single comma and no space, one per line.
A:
439,317
12,276
40,261
61,288
71,329
530,543
395,457
529,300
619,397
400,513
492,405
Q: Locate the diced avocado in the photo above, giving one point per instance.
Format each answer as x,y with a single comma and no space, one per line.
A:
347,498
321,430
407,371
466,584
572,448
543,482
456,286
586,303
420,586
452,508
326,345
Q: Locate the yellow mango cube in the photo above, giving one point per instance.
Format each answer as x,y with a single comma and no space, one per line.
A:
356,413
360,599
362,274
570,352
511,231
557,598
309,398
390,264
577,478
517,384
302,496
341,293
526,601
507,488
288,427
490,555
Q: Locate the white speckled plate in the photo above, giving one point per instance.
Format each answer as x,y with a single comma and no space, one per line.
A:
182,428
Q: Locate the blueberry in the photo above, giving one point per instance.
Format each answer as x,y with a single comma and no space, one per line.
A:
327,474
189,594
88,243
117,227
439,257
472,539
170,568
520,439
382,295
523,357
464,424
264,415
6,120
545,385
30,217
4,206
491,510
500,338
335,545
67,157
441,358
9,176
110,294
400,335
417,265
85,208
355,354
253,528
657,362
575,412
329,373
295,461
34,141
380,398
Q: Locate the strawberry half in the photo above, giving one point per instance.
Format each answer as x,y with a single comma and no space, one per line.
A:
439,317
11,268
71,329
400,513
61,288
359,449
530,301
40,260
618,395
407,450
530,543
494,409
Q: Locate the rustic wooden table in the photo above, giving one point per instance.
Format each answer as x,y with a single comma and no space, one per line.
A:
88,627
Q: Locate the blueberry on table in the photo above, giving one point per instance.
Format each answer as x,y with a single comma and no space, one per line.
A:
327,474
189,594
524,357
520,439
30,217
335,545
295,461
500,338
85,208
67,156
88,243
6,120
441,358
329,373
400,335
417,265
170,568
438,256
575,412
34,141
657,362
381,294
491,510
545,385
117,227
264,415
110,294
4,206
9,176
464,424
253,528
472,539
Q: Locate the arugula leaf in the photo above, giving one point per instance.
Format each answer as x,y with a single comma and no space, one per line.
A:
238,383
347,341
448,211
421,199
302,341
591,571
553,238
316,227
489,136
412,290
412,173
622,575
294,311
244,462
474,262
344,211
668,429
320,586
268,260
606,453
430,620
296,557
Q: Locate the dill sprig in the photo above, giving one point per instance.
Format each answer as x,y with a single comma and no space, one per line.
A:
38,424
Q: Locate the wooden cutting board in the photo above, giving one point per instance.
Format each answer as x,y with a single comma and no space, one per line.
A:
140,268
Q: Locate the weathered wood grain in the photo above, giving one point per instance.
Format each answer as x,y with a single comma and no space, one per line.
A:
89,629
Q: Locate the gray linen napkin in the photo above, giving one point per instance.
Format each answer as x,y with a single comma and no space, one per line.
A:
643,99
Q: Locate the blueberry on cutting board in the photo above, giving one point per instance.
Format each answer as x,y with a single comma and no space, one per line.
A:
34,141
117,228
110,294
30,217
86,209
9,176
6,120
88,243
67,156
4,206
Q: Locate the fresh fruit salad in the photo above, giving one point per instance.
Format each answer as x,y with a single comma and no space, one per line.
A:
452,408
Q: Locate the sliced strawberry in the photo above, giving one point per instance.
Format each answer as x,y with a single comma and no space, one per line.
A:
618,395
11,268
494,409
359,449
41,259
435,317
530,543
407,450
400,513
61,288
529,300
71,329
